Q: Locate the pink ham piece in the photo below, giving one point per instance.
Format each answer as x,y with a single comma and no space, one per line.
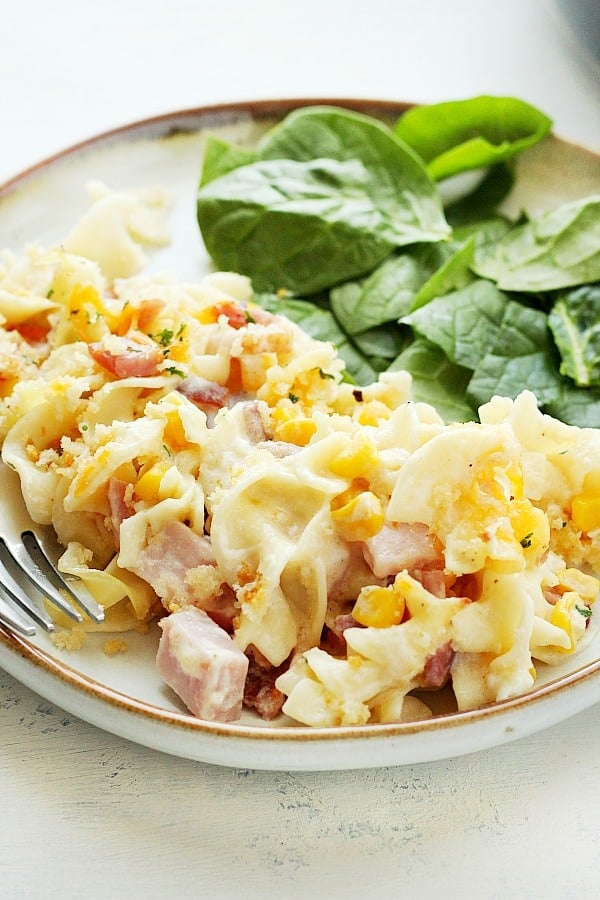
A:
202,664
438,667
404,545
203,393
120,509
165,562
167,558
130,359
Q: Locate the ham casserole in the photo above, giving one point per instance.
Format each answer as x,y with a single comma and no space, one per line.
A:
308,546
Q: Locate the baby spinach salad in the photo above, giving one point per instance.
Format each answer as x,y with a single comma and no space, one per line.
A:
339,221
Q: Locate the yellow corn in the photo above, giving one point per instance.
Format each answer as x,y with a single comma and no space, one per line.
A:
373,412
123,320
561,616
87,313
291,427
585,511
355,460
530,527
207,315
360,518
174,433
357,486
253,369
179,351
379,607
148,484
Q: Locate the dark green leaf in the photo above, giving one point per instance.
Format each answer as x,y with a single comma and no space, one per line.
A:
463,324
401,187
453,274
297,226
520,355
385,342
436,380
220,157
575,323
482,202
576,406
383,296
334,193
559,249
460,135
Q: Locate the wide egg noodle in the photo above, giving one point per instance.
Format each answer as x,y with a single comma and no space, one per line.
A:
42,426
111,585
328,691
116,225
454,484
272,537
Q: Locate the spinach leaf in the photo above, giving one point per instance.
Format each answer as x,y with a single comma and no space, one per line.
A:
468,134
576,406
464,323
559,249
401,187
221,157
291,225
383,296
305,224
453,274
575,323
390,291
520,355
436,380
382,343
483,201
320,323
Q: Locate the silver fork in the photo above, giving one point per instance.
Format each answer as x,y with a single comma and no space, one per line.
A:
28,575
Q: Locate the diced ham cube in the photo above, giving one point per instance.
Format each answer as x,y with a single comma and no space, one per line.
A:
203,393
120,508
437,668
202,664
400,546
131,359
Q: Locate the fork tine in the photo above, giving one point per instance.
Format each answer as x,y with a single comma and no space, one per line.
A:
10,589
40,553
15,622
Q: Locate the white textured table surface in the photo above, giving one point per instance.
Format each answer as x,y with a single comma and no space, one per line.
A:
85,814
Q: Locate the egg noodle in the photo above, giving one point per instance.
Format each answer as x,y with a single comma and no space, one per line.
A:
191,449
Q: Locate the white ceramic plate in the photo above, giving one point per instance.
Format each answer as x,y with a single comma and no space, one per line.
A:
123,694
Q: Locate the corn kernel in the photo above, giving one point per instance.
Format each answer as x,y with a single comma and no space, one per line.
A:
561,617
174,433
253,369
359,519
87,313
591,482
374,412
179,351
291,427
379,607
530,527
148,484
356,487
207,315
585,511
355,460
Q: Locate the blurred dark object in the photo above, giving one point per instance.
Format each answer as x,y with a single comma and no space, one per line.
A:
583,17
